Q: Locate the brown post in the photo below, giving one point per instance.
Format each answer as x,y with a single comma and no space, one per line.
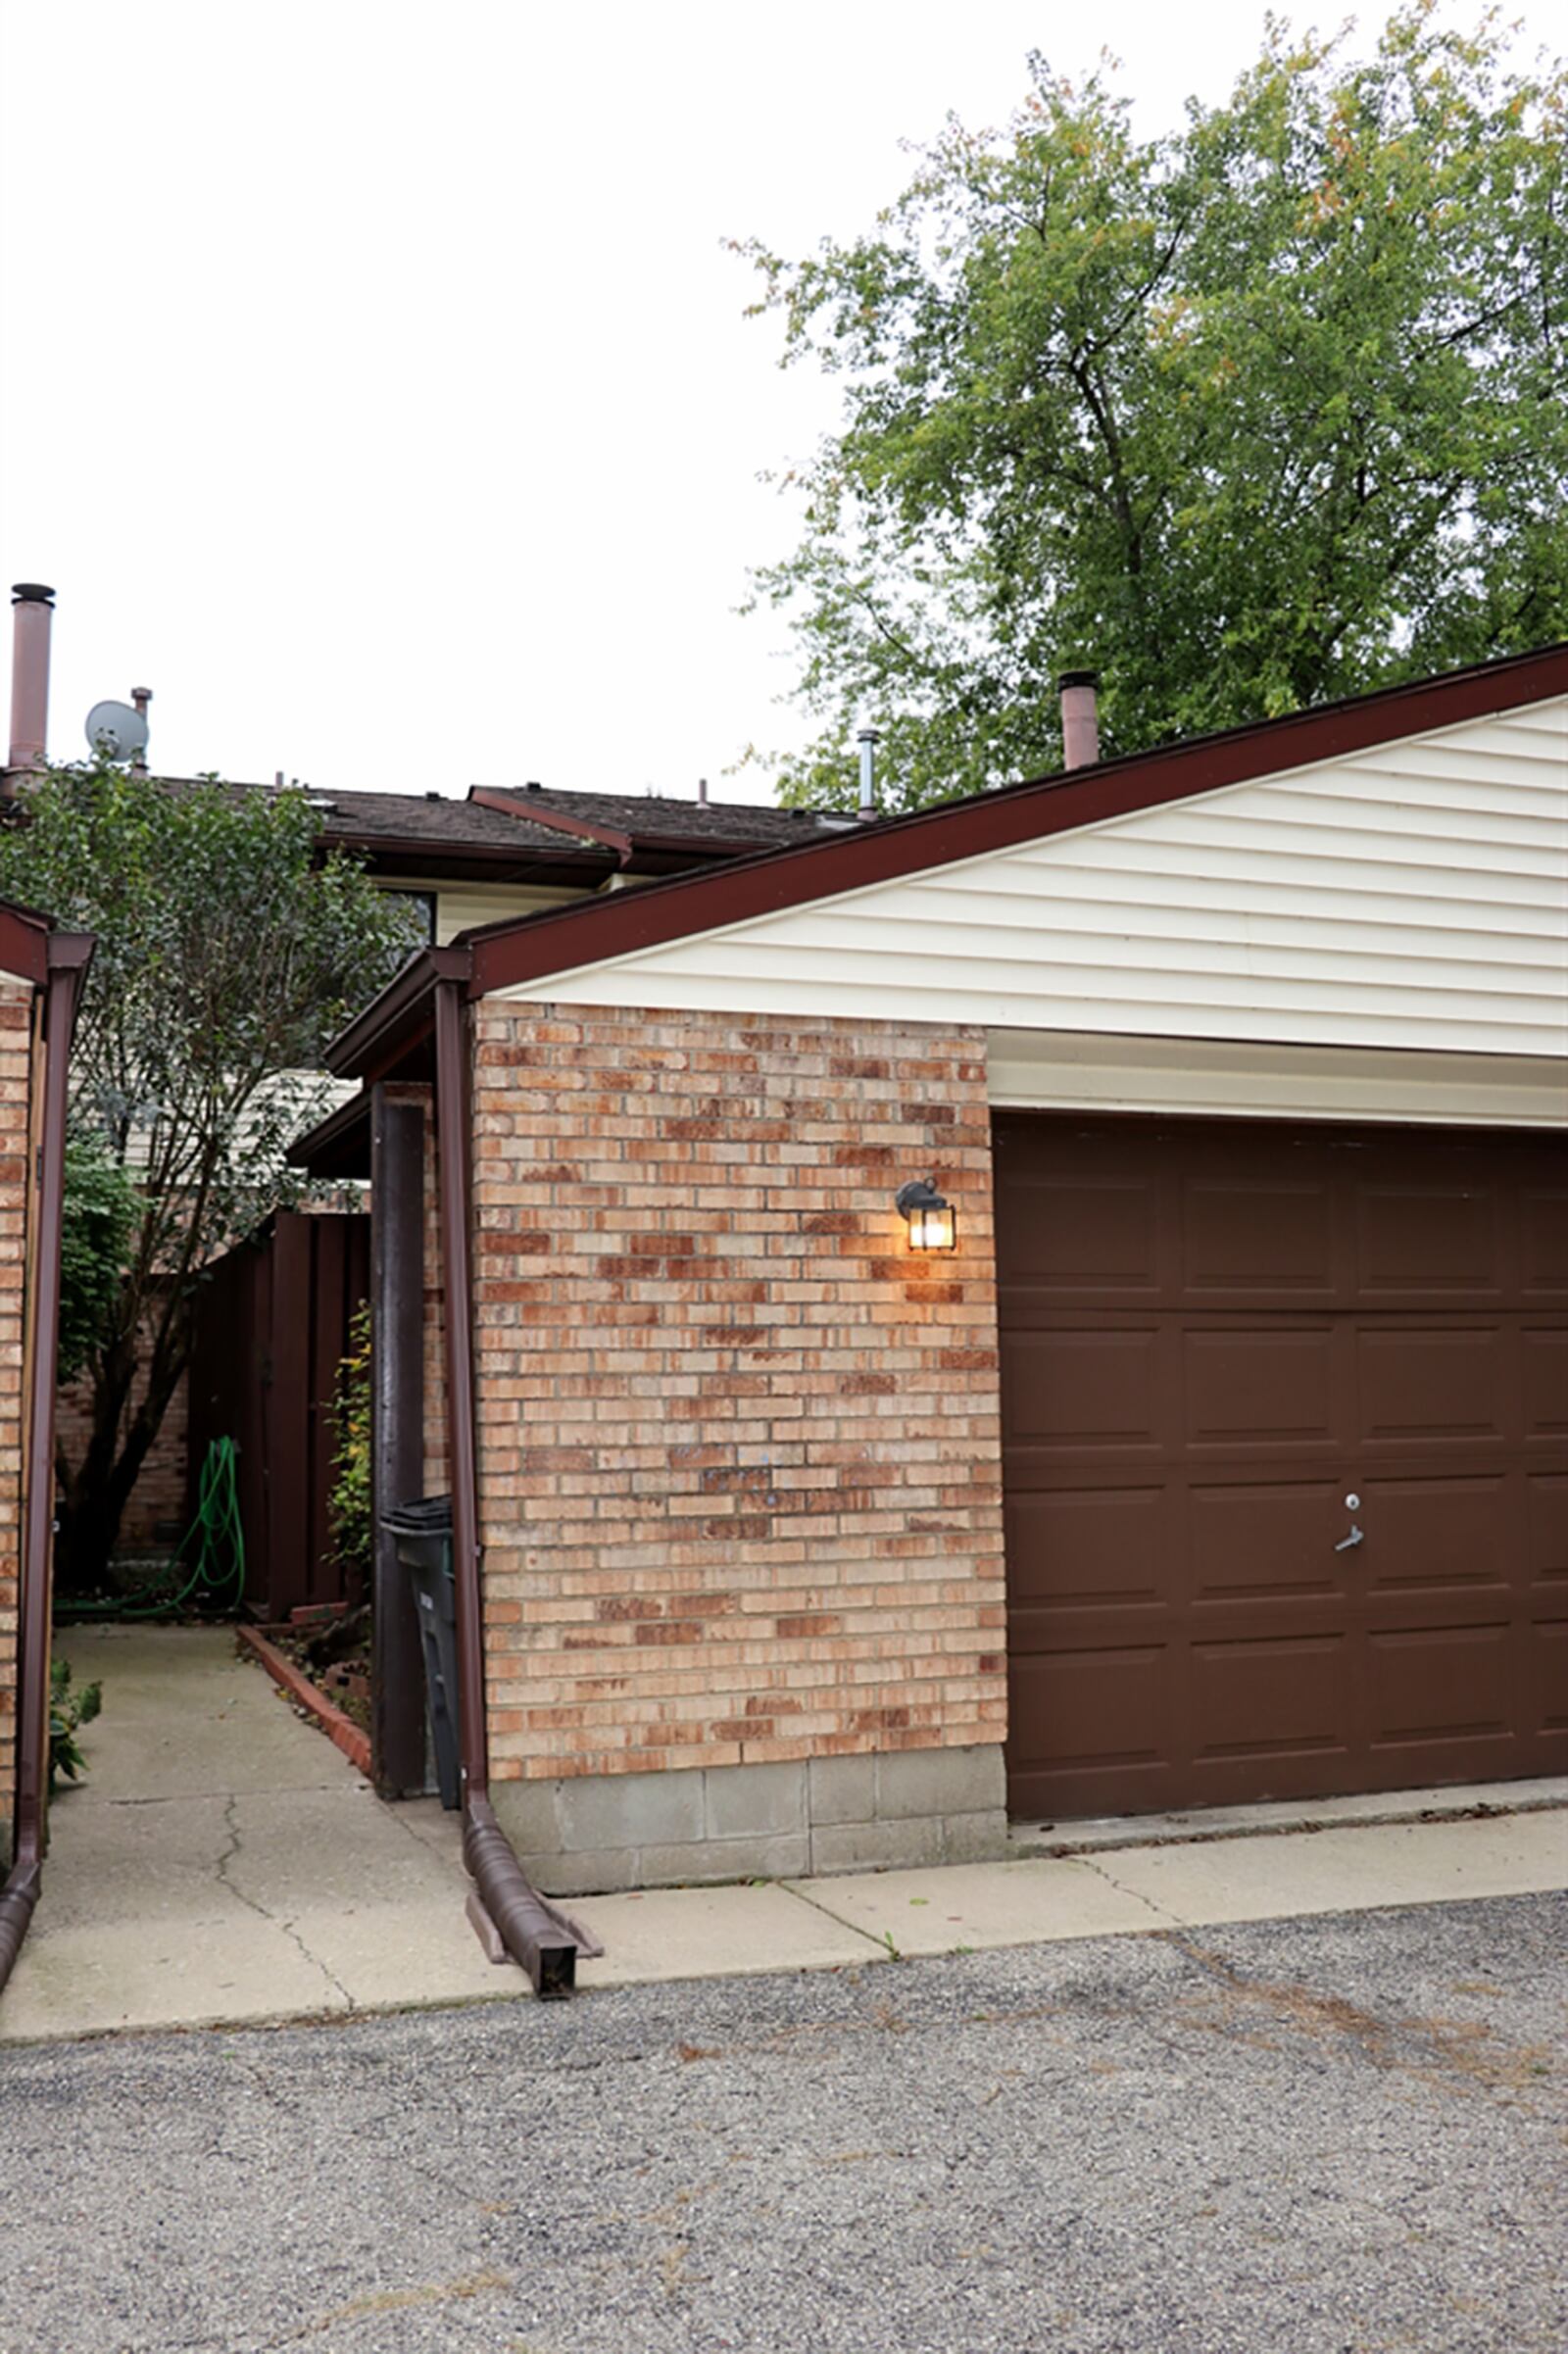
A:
397,1440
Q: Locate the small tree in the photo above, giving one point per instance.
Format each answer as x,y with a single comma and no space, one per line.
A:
231,948
1268,412
103,1211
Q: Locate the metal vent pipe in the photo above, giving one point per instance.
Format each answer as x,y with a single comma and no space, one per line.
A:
1080,718
33,617
869,740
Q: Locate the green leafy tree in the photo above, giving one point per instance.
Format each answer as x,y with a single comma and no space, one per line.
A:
103,1211
230,947
1267,412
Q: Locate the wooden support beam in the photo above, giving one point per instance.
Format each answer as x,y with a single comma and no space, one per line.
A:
397,1440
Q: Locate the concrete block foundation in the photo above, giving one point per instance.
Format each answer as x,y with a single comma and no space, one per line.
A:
591,1833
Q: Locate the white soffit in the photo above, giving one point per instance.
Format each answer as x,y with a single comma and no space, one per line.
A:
1052,1069
1412,895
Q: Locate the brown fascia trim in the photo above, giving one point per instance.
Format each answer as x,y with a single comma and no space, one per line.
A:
27,939
557,940
521,805
69,956
534,1934
398,1019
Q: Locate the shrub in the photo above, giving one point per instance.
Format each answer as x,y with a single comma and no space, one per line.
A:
68,1710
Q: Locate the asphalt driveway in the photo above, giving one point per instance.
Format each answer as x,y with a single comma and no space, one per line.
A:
1335,2136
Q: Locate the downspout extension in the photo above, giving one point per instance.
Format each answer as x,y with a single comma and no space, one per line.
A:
533,1933
70,954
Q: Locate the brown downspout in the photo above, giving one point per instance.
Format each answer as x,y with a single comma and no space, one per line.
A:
533,1933
68,954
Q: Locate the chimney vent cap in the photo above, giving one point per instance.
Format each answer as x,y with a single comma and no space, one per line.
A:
1077,679
32,592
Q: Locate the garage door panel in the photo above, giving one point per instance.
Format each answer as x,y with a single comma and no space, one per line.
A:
1543,1242
1083,1233
1084,1389
1543,1370
1434,1384
1259,1388
1549,1691
1095,1711
1093,1546
1324,1313
1243,1238
1265,1699
1447,1687
1428,1242
1546,1527
1437,1534
1265,1541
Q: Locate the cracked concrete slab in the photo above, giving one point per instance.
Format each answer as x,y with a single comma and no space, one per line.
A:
961,1908
974,1906
1352,1870
221,1862
736,1932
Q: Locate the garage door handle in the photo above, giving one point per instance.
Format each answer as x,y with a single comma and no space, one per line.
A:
1355,1537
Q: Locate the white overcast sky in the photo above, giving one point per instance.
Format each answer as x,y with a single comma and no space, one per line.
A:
376,385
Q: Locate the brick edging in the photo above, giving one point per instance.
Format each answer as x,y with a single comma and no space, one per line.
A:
338,1728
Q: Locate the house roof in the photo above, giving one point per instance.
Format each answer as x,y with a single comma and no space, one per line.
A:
528,834
600,930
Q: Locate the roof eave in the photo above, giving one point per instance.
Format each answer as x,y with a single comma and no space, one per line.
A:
338,1146
398,1021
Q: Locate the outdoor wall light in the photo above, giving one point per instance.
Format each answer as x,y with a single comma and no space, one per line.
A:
933,1221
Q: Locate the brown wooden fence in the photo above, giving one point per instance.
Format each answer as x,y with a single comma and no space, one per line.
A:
272,1326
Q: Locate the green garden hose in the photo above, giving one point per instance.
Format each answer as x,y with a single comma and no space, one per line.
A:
211,1555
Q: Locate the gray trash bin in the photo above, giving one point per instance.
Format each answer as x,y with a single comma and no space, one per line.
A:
423,1533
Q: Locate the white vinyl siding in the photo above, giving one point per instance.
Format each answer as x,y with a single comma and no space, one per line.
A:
1412,897
463,906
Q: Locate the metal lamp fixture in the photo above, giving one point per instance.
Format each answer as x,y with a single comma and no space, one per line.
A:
932,1220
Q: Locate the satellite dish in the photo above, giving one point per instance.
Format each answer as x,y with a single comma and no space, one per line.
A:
117,730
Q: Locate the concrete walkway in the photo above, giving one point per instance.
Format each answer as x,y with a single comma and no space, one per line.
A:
223,1863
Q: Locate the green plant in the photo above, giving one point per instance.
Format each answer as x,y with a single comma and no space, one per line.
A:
102,1212
349,1505
69,1708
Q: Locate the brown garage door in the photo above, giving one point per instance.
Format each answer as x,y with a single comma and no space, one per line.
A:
1215,1335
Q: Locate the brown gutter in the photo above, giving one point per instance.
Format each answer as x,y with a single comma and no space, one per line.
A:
70,954
564,940
522,805
533,1933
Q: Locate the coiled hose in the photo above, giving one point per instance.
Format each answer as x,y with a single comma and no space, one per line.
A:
211,1555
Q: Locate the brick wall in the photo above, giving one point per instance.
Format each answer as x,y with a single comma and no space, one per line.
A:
16,1015
162,1494
738,1453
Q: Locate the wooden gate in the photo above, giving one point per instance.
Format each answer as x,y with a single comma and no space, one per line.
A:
272,1327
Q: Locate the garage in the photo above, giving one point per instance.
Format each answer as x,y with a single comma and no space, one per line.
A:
1285,1457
